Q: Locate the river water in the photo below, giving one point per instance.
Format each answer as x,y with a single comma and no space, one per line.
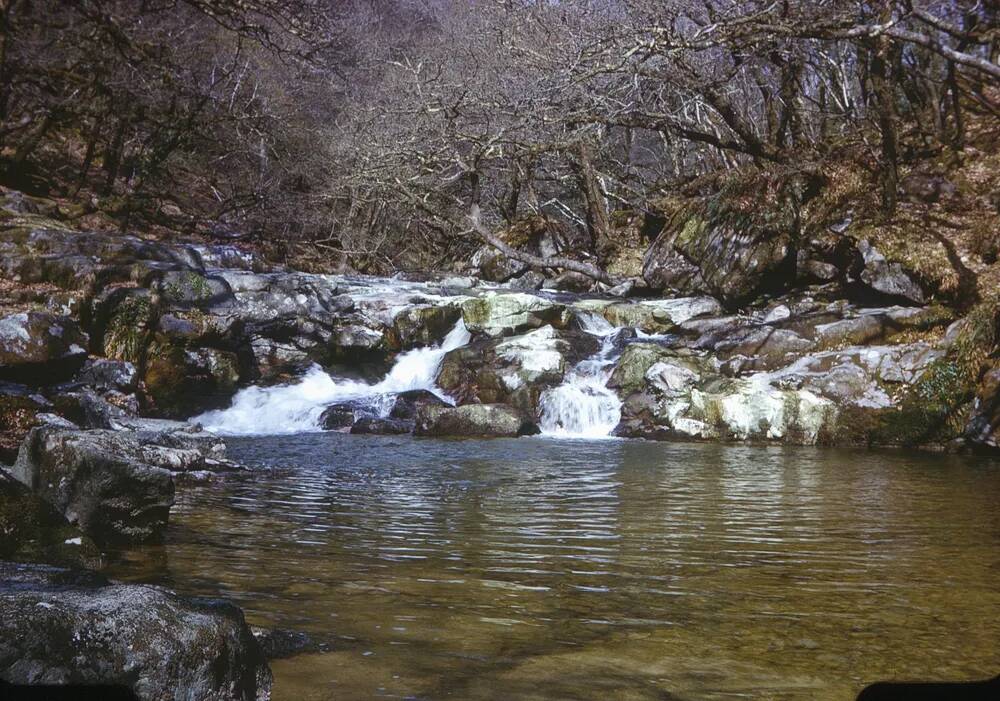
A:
562,569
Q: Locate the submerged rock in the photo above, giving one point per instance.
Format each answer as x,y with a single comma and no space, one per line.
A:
481,420
59,626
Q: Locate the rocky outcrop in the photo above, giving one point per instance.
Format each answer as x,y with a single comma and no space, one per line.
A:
473,420
117,486
61,626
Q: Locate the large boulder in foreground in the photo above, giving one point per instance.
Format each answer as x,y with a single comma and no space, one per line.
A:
99,481
70,627
482,420
41,348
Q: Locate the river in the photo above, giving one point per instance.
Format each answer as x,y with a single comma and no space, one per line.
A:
538,568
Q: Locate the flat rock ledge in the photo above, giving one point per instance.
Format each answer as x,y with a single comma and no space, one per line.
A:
60,626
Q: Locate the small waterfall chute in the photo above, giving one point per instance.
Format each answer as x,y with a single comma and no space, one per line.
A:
296,408
583,406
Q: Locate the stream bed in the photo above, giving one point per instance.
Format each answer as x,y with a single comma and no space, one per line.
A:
539,568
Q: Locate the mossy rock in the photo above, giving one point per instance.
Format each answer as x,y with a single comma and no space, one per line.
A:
126,332
182,382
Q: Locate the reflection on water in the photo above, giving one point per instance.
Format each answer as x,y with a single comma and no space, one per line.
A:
542,569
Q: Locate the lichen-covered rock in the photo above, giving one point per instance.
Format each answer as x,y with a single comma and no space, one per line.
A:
481,420
40,348
635,361
501,314
62,626
660,315
537,356
406,404
104,375
732,262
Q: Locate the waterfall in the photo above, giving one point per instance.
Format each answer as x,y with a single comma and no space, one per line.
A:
297,407
583,406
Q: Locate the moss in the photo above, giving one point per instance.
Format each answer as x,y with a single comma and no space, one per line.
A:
127,330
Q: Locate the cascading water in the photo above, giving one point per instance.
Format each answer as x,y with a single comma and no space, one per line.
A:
296,408
583,406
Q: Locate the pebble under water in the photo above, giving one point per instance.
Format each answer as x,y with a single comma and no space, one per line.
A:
546,569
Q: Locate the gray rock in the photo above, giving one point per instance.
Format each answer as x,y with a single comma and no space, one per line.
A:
59,626
105,374
888,278
380,426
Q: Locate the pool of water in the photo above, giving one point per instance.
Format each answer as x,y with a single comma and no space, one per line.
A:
547,569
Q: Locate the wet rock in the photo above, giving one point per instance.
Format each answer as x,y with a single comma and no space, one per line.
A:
531,358
502,314
766,346
422,325
481,420
983,428
33,530
888,278
40,348
406,404
59,626
338,417
387,426
278,644
531,280
88,409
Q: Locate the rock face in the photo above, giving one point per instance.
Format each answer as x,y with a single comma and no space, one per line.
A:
38,346
59,626
117,486
888,278
474,420
730,262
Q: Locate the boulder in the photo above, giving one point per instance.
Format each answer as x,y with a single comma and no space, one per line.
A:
661,315
629,374
33,530
40,348
888,279
983,428
422,325
732,262
406,404
99,480
503,314
481,420
337,417
104,374
183,382
61,626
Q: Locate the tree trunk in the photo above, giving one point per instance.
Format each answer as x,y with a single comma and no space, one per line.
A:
598,220
885,114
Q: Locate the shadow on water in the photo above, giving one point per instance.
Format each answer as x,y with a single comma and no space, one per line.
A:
539,569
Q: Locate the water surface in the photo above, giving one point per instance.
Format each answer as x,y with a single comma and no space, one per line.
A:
547,569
